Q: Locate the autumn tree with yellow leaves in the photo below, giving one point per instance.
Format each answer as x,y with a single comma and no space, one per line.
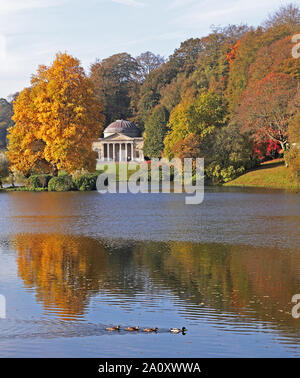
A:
56,120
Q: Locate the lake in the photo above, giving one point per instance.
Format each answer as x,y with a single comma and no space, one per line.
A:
71,264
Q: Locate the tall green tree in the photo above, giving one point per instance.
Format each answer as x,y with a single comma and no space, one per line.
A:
155,132
200,117
151,90
115,82
160,80
6,112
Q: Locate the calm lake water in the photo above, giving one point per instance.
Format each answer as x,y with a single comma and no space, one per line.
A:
72,264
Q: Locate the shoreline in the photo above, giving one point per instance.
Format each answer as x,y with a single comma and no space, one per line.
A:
269,175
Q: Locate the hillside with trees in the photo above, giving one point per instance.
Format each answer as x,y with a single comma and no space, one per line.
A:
232,97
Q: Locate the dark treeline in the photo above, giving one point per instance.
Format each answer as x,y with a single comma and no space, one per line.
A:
6,112
231,97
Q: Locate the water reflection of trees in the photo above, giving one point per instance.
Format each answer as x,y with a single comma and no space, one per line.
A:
65,271
246,281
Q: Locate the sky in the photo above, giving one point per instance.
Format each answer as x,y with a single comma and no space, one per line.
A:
33,31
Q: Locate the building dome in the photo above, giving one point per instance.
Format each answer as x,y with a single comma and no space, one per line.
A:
122,127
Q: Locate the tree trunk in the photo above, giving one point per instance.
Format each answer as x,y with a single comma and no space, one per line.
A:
55,171
284,146
12,180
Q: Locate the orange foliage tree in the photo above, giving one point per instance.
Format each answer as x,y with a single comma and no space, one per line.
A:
190,147
56,120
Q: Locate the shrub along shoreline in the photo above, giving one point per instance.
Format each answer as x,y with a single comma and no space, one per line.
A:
62,183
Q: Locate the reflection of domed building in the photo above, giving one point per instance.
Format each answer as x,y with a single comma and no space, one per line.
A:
121,142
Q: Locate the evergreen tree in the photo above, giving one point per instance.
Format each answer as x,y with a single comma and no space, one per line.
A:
155,132
6,113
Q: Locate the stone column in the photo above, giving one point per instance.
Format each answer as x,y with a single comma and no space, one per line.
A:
126,152
114,152
132,155
119,144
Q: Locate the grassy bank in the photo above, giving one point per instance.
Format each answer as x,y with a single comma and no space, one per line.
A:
273,174
21,189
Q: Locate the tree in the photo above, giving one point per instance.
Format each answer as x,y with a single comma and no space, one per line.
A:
169,77
155,132
56,120
275,57
187,54
115,80
286,15
4,167
230,147
26,149
294,129
293,156
200,116
211,69
245,54
178,127
6,113
265,110
151,90
147,63
190,147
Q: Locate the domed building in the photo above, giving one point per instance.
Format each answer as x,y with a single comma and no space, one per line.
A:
121,142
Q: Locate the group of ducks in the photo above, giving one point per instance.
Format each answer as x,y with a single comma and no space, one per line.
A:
134,329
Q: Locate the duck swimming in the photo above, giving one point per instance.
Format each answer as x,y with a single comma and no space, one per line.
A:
131,329
150,329
178,330
113,328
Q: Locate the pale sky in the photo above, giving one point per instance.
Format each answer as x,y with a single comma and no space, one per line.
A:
33,31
